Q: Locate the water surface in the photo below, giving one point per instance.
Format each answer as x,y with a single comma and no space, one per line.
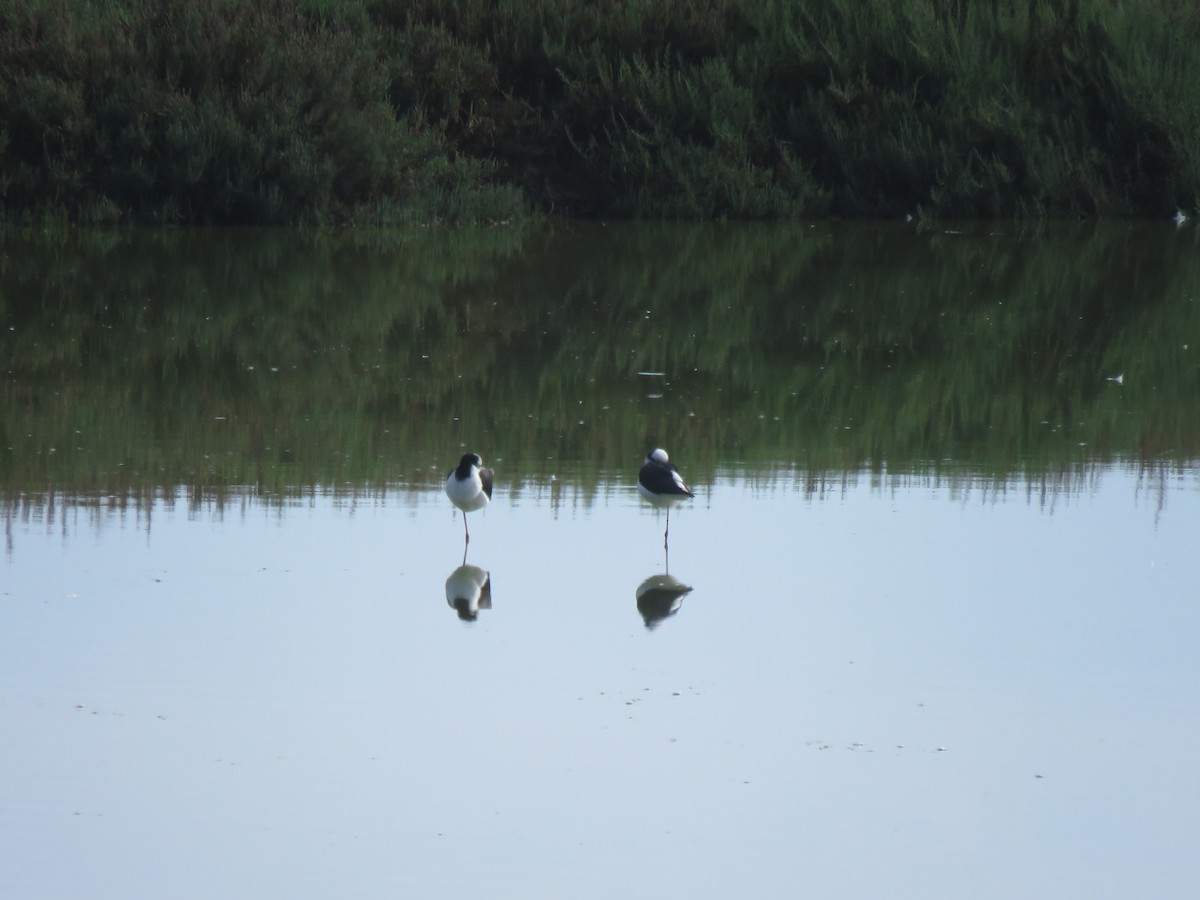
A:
940,634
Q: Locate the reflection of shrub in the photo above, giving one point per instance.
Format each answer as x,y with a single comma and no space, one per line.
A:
334,356
394,110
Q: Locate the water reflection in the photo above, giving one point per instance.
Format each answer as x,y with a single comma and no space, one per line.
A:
217,363
926,398
468,590
208,671
659,597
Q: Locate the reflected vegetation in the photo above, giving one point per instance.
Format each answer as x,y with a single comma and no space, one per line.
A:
217,365
468,590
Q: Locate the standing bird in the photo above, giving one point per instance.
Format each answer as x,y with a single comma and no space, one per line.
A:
659,482
469,487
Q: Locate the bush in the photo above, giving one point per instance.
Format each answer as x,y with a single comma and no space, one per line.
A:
225,111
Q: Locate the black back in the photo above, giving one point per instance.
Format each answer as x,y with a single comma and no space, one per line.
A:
463,470
657,478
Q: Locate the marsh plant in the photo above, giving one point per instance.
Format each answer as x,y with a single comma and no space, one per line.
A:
427,111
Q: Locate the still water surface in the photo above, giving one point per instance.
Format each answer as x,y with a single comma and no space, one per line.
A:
940,639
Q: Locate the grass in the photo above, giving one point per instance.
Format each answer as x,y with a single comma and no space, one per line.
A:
401,111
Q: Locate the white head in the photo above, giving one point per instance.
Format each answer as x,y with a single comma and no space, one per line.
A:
659,456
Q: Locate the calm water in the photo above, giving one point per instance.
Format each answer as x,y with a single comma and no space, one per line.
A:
940,638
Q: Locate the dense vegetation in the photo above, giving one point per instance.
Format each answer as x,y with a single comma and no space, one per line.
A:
284,111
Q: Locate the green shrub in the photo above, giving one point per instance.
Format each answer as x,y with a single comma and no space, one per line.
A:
227,111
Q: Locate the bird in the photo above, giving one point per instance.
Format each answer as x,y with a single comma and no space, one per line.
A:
660,484
469,487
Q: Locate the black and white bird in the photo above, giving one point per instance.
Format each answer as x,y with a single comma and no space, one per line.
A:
660,484
469,487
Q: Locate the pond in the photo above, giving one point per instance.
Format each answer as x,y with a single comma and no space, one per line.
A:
927,627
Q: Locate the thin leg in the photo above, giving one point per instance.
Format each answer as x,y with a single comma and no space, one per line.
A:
466,530
667,530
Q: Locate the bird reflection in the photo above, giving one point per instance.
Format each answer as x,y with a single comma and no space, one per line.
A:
468,590
660,596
